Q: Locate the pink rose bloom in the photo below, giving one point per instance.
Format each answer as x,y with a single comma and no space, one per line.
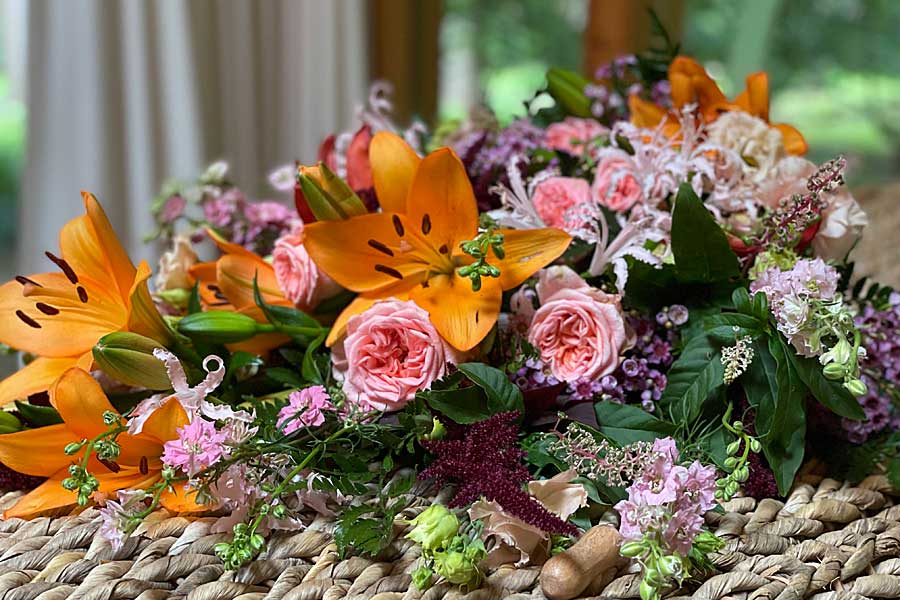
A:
392,350
573,134
615,183
580,331
299,279
305,408
554,196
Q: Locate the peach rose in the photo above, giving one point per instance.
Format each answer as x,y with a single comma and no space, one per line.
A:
580,331
391,351
573,134
299,278
615,185
554,196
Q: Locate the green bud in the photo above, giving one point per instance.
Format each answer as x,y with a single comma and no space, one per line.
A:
422,578
653,577
632,549
438,431
456,567
856,387
707,542
328,197
730,462
835,371
221,327
742,474
9,423
755,446
670,566
840,354
434,527
733,448
74,447
279,511
648,591
738,426
128,357
257,542
177,297
69,484
732,488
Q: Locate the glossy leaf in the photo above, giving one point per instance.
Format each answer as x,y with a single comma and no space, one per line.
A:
701,249
625,424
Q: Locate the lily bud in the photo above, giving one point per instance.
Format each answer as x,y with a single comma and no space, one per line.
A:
327,196
834,371
9,423
856,387
567,88
128,357
221,327
434,527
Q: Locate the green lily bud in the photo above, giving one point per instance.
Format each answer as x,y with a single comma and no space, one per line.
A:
128,357
856,387
9,423
459,568
835,371
632,549
567,88
221,327
421,578
328,196
434,528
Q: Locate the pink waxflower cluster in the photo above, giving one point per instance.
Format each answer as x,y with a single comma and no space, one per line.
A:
795,296
668,500
306,408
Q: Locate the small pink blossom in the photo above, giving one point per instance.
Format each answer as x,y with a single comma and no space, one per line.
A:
579,331
556,195
616,185
118,518
305,408
198,446
391,351
299,278
572,135
220,210
173,208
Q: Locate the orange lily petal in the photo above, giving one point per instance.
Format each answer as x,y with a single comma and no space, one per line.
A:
207,285
755,99
645,113
182,500
441,204
260,345
235,274
162,424
37,376
372,251
394,165
58,323
47,496
527,251
227,247
144,318
792,139
462,316
37,451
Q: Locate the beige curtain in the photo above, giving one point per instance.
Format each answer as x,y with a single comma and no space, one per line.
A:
123,94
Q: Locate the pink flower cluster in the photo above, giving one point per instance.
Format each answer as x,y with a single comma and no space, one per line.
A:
305,408
668,500
793,295
199,445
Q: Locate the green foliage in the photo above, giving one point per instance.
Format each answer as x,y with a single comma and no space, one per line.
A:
702,253
625,424
473,393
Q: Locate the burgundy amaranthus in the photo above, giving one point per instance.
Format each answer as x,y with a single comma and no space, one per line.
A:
487,462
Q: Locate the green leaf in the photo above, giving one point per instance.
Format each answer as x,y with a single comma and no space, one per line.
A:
285,377
38,416
625,423
701,249
727,327
830,394
365,535
696,374
784,444
462,405
194,305
310,369
649,287
715,445
567,88
241,359
741,299
502,394
295,323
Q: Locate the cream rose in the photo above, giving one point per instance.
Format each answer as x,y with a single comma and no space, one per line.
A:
174,266
761,147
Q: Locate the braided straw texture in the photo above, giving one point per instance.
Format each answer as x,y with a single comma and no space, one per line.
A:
828,541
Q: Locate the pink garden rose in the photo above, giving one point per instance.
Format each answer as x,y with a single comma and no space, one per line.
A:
299,278
580,331
391,351
554,196
616,185
572,134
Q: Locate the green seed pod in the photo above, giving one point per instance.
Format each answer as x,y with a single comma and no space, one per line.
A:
733,448
128,357
221,327
632,549
731,462
755,446
742,474
835,371
856,387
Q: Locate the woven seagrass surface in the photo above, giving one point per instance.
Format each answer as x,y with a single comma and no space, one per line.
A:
827,541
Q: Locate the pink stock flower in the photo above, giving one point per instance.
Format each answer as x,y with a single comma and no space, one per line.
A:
118,518
305,408
556,195
172,209
299,278
220,210
616,185
198,446
580,331
572,135
391,351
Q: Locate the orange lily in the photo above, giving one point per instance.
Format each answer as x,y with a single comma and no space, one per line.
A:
691,84
412,249
60,316
81,403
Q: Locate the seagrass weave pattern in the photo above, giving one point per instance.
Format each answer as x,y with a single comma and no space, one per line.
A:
827,541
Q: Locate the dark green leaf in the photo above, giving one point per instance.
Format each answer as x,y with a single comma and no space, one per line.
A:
649,287
502,394
462,405
310,369
194,305
295,323
39,416
728,327
696,374
701,249
760,383
785,443
241,359
365,535
830,394
625,424
741,300
285,376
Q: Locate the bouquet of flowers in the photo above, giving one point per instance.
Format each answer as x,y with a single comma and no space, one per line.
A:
638,299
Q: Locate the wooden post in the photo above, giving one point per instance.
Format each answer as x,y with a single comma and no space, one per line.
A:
617,27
